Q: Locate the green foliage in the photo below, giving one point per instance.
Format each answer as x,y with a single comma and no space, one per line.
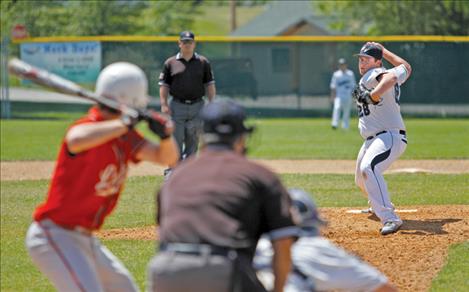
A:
167,17
91,18
454,277
430,17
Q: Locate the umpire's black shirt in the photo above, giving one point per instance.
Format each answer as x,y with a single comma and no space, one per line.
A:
223,199
186,79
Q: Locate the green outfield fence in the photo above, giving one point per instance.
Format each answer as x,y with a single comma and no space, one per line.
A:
269,67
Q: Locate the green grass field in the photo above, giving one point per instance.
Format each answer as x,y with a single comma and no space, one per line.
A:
136,208
274,139
39,139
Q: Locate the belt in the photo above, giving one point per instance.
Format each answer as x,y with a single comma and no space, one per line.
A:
402,132
198,249
77,228
187,101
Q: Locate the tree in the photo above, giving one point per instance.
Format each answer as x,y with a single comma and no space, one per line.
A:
92,18
400,17
167,17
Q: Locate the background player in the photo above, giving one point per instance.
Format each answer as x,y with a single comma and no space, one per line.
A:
187,76
381,125
318,265
342,84
88,178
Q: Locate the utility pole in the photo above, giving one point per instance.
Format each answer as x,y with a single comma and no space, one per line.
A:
233,15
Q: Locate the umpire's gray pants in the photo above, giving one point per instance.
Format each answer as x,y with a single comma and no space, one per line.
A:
178,272
188,123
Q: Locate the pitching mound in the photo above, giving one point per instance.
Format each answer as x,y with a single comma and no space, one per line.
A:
411,258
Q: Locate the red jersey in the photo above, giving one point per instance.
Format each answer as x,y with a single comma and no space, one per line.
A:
85,186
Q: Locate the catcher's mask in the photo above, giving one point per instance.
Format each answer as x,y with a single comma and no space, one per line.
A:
305,211
223,122
125,83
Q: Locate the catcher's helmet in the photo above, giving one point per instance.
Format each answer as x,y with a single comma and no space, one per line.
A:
223,121
305,208
124,82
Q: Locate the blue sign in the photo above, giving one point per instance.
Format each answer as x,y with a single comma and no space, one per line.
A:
78,61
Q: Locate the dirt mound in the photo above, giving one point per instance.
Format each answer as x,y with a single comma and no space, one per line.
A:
411,258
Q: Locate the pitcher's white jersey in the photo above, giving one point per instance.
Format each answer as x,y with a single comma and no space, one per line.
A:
343,83
386,115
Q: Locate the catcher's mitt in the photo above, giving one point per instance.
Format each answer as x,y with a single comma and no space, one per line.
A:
362,95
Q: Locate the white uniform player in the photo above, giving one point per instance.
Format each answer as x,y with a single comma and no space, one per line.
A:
382,127
318,264
342,84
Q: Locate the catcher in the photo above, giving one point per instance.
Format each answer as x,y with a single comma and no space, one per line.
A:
318,264
88,178
381,126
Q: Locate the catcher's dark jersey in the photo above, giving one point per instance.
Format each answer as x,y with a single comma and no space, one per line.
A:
223,199
186,79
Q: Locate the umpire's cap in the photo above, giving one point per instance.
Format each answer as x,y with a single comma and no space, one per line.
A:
222,121
186,36
305,210
370,50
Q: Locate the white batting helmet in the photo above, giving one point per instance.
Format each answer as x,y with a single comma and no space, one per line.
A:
124,82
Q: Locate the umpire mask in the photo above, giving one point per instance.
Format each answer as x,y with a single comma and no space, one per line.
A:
223,123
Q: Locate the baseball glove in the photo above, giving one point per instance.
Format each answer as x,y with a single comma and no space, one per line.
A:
362,95
158,123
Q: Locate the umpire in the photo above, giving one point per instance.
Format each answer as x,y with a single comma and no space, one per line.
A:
187,77
213,210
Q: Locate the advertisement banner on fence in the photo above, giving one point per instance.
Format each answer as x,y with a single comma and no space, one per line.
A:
76,61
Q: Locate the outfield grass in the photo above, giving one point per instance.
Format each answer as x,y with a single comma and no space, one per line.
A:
274,139
136,208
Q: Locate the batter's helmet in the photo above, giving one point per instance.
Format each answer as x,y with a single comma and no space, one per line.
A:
223,121
304,206
124,82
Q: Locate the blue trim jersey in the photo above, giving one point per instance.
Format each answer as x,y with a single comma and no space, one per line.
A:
343,83
386,115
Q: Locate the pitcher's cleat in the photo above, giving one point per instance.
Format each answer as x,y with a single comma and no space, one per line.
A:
390,227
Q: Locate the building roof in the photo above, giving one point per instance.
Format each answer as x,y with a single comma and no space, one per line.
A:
280,16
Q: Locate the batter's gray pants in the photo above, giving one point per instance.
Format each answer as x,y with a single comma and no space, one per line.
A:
188,123
73,261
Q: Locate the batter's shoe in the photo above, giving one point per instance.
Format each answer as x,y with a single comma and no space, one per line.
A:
390,227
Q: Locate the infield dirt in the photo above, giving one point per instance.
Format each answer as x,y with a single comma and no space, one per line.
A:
410,258
32,170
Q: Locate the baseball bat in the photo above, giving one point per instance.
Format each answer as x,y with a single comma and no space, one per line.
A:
51,80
